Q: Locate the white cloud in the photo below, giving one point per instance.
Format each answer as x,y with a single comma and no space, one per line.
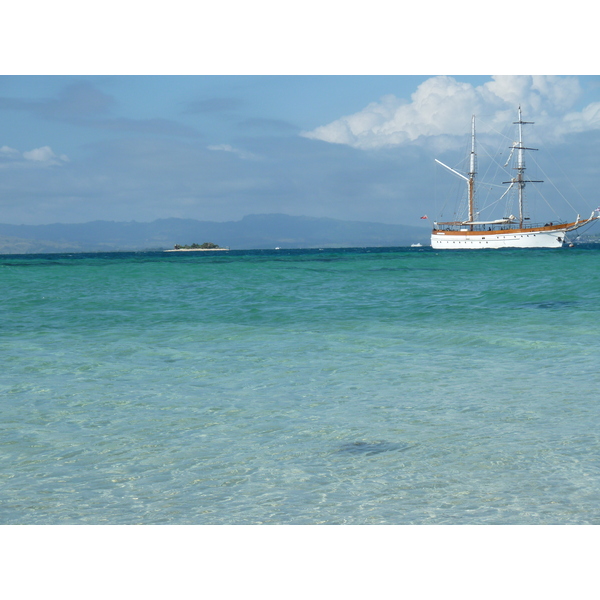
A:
45,155
10,158
588,118
7,152
442,105
241,153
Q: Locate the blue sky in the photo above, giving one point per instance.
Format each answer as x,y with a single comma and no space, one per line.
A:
119,147
319,109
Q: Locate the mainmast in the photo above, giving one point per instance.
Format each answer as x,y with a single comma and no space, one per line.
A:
520,168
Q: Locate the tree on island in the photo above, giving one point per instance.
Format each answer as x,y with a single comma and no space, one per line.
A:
205,246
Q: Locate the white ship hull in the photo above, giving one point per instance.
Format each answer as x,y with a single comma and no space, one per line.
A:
476,240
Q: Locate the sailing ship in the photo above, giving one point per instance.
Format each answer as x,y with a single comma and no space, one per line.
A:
507,232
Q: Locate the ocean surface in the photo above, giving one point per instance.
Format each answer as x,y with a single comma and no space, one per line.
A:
355,386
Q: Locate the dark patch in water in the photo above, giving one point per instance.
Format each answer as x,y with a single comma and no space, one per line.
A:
32,264
370,448
551,304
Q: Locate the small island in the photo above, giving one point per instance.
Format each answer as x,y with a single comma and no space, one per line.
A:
207,246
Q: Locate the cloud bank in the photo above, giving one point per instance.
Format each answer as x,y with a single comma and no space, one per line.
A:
83,104
442,105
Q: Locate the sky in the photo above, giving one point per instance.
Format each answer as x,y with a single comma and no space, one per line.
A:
120,148
260,128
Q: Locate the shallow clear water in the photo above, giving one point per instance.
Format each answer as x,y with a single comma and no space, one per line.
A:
382,386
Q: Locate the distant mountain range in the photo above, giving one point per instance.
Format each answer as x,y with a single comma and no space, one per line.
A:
252,232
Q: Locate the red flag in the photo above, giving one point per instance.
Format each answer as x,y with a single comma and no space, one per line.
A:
424,217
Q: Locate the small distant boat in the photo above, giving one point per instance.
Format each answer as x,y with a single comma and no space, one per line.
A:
506,232
417,245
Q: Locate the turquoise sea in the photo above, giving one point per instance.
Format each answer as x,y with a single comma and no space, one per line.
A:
356,386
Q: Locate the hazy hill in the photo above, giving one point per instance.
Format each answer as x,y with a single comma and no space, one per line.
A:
252,232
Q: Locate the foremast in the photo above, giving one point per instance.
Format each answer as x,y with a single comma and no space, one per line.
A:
472,172
471,176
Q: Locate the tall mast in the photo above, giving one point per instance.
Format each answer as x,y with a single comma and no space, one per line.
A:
521,167
471,176
472,172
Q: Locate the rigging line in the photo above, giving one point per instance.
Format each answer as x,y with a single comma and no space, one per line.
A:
436,202
550,206
565,175
485,189
543,197
498,200
457,201
435,193
554,186
490,126
502,141
488,169
583,230
494,164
